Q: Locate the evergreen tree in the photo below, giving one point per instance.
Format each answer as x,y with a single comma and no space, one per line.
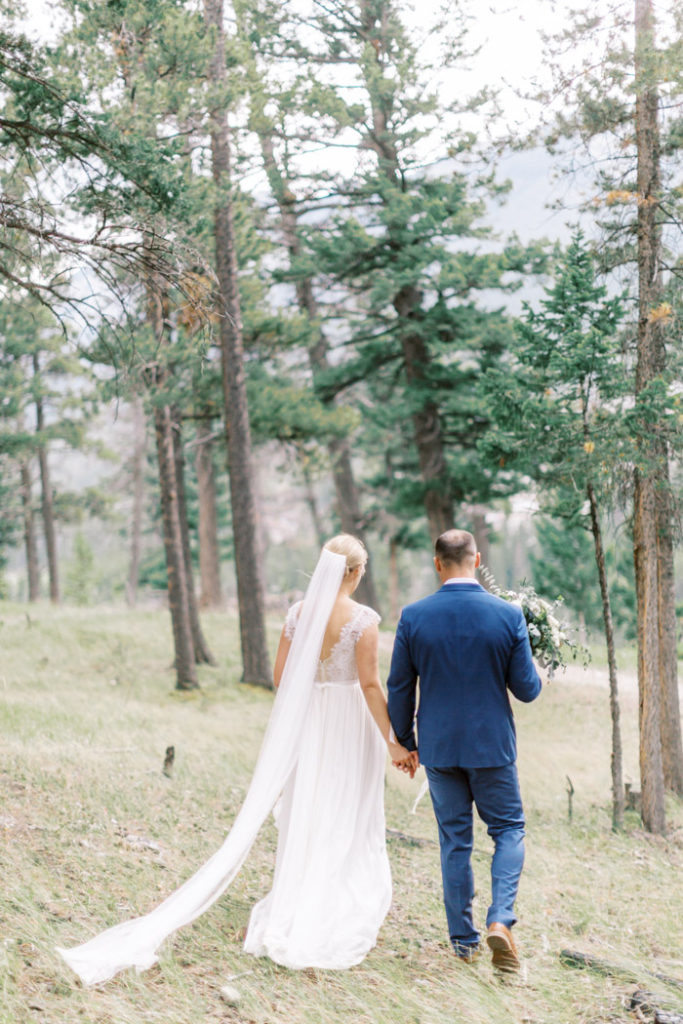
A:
50,398
144,90
564,565
80,573
276,114
559,412
403,260
53,132
622,102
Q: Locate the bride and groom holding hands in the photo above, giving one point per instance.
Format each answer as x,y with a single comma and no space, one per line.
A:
322,762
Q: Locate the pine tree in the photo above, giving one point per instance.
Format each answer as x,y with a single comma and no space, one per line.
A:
48,121
622,104
559,413
400,262
248,563
277,137
80,574
51,399
564,565
143,90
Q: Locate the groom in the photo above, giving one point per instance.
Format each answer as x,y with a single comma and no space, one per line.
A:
468,648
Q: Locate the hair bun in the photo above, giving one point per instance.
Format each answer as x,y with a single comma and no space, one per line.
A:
351,548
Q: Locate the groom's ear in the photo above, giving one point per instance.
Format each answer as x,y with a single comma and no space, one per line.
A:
477,560
437,564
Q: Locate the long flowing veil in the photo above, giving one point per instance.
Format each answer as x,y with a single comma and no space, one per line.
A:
135,943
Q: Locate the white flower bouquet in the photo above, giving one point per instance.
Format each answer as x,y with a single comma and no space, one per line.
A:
550,637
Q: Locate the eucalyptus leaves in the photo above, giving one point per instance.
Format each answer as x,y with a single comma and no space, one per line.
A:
550,636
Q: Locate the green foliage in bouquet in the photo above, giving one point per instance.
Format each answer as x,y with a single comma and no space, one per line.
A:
551,638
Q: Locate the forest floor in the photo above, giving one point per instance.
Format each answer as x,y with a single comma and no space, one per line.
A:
93,833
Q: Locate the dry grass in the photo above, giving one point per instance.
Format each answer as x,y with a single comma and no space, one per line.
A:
86,712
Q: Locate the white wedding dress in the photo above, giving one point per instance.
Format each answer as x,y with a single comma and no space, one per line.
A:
322,753
332,884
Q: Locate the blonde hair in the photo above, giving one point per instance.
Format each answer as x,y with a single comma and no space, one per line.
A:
351,548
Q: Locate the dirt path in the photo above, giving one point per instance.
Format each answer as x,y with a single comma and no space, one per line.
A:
591,675
574,674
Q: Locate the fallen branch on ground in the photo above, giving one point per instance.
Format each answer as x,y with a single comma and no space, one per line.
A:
394,833
647,1002
572,958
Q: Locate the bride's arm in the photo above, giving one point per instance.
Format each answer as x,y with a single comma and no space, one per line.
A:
367,661
281,657
286,637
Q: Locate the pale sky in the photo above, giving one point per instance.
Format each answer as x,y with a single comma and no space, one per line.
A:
507,31
511,55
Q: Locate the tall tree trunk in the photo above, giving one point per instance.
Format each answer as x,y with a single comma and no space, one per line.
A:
427,426
346,490
202,653
210,595
311,500
248,563
186,675
349,512
482,535
616,758
672,746
139,448
426,420
47,506
178,593
394,585
33,576
651,336
650,363
645,561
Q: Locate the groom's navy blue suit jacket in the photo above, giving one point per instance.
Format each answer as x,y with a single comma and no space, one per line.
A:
468,649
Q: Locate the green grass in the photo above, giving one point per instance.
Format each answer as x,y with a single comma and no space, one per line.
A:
87,710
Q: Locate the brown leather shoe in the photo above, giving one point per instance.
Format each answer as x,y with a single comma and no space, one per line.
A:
502,946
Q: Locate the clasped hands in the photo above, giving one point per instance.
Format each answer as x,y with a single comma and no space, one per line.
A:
403,759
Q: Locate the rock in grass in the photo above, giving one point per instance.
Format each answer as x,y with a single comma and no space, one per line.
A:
230,995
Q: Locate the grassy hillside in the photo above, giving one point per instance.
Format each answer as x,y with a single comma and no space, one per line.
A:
93,833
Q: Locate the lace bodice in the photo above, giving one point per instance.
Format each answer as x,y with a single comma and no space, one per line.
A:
340,664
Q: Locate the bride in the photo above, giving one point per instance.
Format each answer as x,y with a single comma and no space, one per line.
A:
324,756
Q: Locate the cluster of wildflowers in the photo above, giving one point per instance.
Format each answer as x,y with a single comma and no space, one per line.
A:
550,637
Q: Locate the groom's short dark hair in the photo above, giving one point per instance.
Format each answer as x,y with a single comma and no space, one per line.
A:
454,547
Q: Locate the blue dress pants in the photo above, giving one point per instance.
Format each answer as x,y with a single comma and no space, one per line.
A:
495,794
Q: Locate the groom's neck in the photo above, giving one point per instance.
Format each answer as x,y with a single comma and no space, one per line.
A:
456,572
